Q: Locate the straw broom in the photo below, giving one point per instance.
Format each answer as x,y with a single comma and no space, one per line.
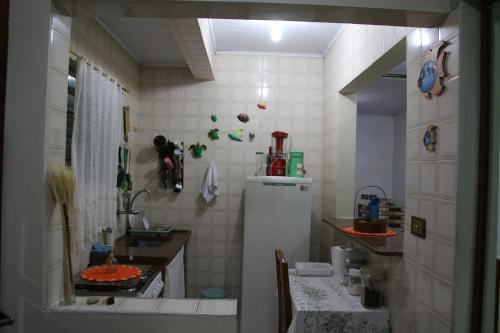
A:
62,185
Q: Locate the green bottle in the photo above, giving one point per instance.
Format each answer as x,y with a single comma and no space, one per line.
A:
295,165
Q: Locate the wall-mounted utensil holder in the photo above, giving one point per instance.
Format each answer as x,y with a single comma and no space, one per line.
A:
171,162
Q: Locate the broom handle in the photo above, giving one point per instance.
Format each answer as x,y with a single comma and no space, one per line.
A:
68,276
68,240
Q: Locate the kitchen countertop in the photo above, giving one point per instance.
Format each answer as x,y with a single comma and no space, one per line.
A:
159,256
162,254
131,305
385,246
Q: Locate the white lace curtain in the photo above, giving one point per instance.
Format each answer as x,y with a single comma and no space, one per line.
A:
94,157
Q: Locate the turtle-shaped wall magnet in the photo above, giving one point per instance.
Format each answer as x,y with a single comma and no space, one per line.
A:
197,150
213,134
432,72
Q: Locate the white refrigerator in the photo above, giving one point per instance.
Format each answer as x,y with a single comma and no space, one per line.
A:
277,216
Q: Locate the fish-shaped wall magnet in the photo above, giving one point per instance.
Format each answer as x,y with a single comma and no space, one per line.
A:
236,134
243,117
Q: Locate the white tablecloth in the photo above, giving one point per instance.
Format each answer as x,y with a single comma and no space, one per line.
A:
323,305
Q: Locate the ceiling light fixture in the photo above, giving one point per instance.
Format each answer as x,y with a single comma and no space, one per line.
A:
276,31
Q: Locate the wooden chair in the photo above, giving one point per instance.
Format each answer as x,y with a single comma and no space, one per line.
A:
285,305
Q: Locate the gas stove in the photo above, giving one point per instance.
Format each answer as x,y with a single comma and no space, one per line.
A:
148,285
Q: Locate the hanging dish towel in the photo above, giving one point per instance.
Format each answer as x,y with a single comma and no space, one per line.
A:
210,186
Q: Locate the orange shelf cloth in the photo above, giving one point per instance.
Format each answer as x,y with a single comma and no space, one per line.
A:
350,230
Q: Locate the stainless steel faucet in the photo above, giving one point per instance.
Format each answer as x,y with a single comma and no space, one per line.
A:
128,205
145,190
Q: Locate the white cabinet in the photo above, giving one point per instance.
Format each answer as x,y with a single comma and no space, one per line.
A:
174,277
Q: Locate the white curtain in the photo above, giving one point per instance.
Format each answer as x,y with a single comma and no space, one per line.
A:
94,157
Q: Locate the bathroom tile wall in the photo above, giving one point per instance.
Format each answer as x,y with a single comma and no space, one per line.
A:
172,103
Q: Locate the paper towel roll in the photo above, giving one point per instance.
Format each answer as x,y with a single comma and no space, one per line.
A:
339,255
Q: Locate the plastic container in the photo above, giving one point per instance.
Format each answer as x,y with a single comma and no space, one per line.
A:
374,207
260,164
295,167
354,284
313,269
372,288
214,293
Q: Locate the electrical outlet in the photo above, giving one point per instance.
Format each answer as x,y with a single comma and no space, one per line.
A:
418,226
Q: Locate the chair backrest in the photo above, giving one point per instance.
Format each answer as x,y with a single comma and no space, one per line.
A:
285,305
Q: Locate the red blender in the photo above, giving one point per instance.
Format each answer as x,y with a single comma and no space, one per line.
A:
277,165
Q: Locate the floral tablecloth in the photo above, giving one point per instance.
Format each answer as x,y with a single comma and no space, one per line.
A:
322,305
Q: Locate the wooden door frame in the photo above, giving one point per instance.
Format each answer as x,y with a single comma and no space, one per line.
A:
4,36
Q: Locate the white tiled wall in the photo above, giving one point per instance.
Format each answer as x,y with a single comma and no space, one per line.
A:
87,39
357,48
55,145
90,40
431,190
420,285
172,103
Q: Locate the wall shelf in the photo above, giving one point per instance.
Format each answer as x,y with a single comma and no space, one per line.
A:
384,246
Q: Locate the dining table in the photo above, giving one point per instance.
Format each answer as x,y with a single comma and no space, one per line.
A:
322,304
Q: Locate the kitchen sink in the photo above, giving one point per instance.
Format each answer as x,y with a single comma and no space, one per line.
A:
146,242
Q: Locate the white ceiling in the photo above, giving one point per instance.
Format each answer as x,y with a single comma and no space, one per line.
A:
385,96
148,40
252,36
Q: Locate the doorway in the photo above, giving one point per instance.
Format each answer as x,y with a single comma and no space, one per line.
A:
381,135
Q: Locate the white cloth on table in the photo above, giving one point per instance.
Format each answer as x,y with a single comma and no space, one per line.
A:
293,325
322,305
210,187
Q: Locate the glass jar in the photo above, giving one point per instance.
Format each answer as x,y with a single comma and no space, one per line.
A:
260,164
354,284
372,287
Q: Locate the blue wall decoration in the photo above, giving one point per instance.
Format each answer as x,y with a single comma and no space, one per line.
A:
432,71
